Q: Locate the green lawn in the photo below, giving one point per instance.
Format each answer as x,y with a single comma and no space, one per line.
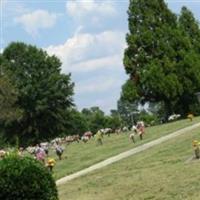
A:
80,156
160,173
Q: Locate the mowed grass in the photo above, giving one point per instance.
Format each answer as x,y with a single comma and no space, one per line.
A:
159,173
78,156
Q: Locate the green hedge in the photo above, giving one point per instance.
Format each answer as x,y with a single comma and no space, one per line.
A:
25,179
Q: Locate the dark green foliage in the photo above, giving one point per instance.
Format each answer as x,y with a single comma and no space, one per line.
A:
44,93
156,109
9,110
129,92
189,65
96,119
149,119
128,111
162,57
8,98
190,27
114,121
25,179
77,123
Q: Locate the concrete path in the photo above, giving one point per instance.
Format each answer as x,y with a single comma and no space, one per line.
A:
126,154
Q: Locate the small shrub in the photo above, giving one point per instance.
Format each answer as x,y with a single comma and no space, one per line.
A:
149,119
23,178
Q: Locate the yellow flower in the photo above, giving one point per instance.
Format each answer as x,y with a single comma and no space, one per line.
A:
190,116
51,162
195,143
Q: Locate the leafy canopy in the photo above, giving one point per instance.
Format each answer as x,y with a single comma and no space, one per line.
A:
44,93
162,57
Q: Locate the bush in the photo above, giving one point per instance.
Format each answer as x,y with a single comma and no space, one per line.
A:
25,179
149,119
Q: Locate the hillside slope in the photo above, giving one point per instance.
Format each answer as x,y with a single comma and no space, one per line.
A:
159,173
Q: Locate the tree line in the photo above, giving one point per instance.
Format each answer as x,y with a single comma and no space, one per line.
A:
36,99
162,60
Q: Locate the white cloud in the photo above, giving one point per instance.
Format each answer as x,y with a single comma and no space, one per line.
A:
95,61
36,20
80,9
88,52
107,62
102,91
107,103
91,13
96,85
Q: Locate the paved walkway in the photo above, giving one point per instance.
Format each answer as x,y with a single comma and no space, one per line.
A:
126,154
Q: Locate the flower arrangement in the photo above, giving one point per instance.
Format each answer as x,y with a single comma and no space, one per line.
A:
50,163
195,143
190,116
196,146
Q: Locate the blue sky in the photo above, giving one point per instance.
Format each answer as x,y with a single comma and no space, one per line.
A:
87,35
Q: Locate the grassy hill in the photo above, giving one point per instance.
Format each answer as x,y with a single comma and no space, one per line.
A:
79,156
160,173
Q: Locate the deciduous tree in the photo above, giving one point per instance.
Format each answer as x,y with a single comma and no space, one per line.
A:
44,93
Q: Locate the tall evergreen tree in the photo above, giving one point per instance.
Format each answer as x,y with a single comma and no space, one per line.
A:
156,53
188,65
190,27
